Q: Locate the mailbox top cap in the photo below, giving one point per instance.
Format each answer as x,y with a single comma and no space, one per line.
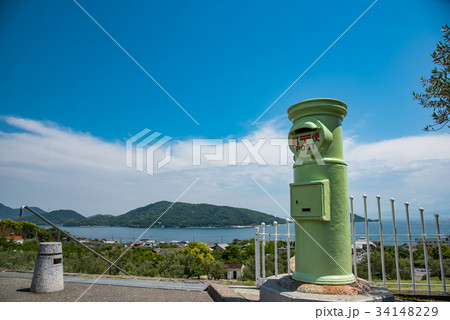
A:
320,106
50,248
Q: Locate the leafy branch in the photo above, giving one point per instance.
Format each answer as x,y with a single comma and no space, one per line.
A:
437,87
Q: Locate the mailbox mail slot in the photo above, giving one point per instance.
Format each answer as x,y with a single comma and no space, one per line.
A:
310,200
308,136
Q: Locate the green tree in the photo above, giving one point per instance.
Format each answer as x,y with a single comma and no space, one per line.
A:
176,265
418,254
167,245
434,252
390,266
249,250
232,254
28,229
437,87
217,255
144,254
7,226
249,269
435,268
216,269
199,250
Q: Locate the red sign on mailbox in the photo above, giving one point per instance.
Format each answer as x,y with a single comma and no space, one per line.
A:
306,142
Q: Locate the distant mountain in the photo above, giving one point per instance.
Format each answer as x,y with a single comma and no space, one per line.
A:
97,220
103,215
13,214
185,215
64,217
362,219
178,215
8,213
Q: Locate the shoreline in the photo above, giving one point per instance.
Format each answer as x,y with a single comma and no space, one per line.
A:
156,228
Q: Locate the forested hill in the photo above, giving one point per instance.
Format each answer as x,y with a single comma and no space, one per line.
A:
178,215
188,215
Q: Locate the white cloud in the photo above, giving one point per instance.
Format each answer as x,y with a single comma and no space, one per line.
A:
414,148
52,167
411,169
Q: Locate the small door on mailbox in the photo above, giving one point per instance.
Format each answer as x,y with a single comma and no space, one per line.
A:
311,200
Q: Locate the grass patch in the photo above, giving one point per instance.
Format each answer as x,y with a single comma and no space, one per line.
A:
420,285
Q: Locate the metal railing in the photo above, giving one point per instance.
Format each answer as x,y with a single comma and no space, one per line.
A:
71,237
394,239
260,240
364,257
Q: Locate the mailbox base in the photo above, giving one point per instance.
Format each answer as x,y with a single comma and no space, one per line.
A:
275,290
316,279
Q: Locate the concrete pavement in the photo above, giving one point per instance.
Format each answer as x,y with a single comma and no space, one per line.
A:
15,287
249,293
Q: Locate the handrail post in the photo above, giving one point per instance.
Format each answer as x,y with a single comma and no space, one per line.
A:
380,225
369,269
263,254
425,250
111,264
288,246
441,258
257,260
397,266
275,247
411,256
355,265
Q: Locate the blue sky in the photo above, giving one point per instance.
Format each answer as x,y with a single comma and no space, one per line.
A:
225,62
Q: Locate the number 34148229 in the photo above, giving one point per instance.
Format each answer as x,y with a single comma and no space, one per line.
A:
407,311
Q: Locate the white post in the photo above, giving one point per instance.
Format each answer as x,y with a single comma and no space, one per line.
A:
369,269
425,250
288,247
441,260
355,265
397,266
263,227
380,225
257,259
275,247
411,256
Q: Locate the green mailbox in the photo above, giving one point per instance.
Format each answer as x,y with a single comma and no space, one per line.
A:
319,194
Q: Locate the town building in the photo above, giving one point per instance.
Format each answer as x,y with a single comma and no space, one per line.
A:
234,270
146,243
217,246
16,239
180,244
104,241
432,242
361,245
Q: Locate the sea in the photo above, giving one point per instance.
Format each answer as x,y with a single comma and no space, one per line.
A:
226,235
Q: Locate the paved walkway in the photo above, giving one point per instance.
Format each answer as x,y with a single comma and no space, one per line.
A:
15,287
140,283
249,293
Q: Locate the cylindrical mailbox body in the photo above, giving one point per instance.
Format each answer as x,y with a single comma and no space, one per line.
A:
319,194
48,271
